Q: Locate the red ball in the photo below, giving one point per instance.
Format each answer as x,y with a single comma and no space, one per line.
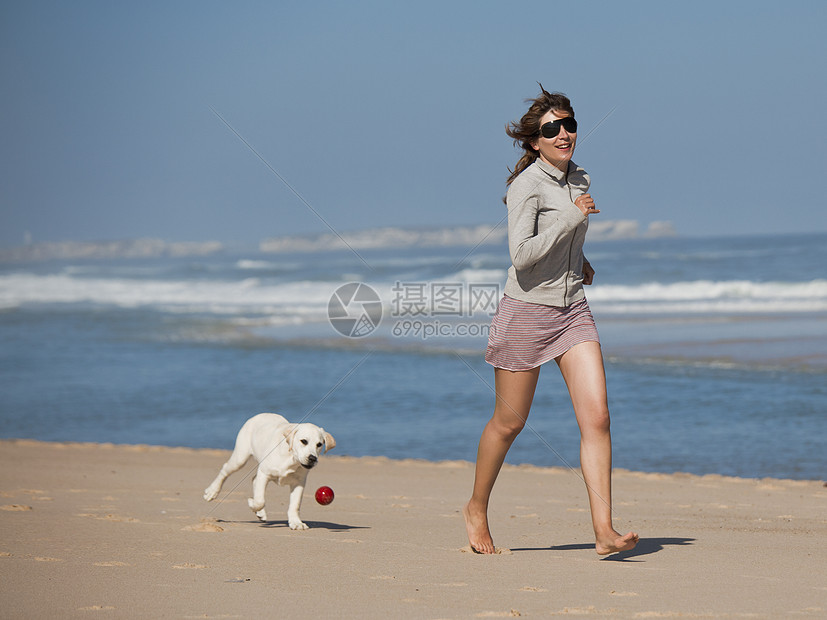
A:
324,495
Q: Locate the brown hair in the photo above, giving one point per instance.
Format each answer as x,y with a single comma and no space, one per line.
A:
527,130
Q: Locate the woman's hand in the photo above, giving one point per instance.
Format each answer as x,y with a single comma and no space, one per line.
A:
586,204
588,273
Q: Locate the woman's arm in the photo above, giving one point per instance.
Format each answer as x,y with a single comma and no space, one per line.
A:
525,244
588,272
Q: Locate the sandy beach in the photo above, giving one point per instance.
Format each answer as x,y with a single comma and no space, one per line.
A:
110,531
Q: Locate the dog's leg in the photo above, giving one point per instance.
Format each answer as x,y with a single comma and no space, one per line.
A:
256,502
293,519
237,460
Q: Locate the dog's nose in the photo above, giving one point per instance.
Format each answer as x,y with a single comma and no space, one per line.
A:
312,458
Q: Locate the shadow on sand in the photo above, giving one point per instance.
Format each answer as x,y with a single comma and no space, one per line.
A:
646,546
324,525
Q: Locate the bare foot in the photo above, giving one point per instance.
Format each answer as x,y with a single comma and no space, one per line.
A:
476,524
615,542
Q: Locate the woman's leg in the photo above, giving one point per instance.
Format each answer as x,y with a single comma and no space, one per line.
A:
582,368
514,393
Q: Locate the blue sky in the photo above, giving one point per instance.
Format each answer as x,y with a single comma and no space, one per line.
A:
386,114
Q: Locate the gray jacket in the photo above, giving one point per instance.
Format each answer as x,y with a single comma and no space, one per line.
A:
545,235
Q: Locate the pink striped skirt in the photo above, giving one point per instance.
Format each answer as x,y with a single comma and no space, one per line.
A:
525,335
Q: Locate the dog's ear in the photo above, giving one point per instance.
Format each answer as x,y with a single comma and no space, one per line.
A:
289,432
329,442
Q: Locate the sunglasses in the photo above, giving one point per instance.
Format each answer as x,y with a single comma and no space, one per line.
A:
552,128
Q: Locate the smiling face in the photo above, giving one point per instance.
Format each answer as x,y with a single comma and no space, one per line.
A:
556,151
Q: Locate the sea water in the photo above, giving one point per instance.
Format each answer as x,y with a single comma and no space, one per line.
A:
716,352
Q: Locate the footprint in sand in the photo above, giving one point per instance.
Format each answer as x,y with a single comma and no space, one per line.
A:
15,507
112,563
118,518
96,608
204,526
35,494
611,612
108,517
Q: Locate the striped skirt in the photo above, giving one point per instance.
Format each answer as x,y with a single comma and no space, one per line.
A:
525,335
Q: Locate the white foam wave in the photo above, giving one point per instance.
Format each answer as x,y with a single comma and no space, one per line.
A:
265,265
705,296
308,300
479,276
255,264
216,297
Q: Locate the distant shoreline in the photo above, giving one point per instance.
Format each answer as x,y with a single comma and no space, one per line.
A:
102,250
482,234
146,448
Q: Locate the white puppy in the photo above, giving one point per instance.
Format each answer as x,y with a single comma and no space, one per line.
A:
285,453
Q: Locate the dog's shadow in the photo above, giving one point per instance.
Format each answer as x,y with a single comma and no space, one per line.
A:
322,525
646,546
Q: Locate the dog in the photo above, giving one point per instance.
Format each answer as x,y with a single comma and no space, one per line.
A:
285,453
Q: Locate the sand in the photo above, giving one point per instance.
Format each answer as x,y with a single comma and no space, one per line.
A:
103,531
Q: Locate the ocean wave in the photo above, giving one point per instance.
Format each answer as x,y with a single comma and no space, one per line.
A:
249,295
256,264
479,276
307,298
706,296
265,265
707,289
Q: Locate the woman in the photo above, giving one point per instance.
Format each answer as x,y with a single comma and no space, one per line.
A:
544,315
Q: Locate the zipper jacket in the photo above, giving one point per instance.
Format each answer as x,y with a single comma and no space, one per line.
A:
545,235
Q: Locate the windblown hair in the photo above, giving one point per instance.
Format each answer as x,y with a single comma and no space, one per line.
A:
527,130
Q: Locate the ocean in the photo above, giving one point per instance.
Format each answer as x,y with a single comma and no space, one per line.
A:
716,352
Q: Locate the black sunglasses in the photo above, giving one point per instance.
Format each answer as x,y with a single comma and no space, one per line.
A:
552,128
